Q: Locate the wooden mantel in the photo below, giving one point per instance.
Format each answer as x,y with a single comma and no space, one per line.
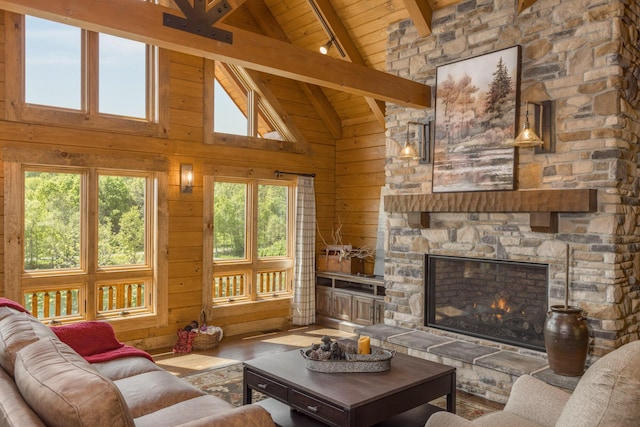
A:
542,205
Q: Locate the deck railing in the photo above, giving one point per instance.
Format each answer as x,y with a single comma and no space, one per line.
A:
120,296
228,286
52,303
271,282
232,286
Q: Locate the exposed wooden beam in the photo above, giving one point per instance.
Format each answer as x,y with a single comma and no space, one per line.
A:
350,49
142,21
421,13
269,25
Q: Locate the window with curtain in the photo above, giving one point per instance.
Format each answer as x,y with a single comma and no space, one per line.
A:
251,241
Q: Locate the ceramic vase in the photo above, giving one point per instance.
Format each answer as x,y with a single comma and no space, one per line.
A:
566,339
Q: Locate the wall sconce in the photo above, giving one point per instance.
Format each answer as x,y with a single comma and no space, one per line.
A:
186,178
421,151
542,134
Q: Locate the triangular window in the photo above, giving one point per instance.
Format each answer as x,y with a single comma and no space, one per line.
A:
240,107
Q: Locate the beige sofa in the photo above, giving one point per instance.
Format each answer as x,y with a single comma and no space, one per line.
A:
608,394
44,382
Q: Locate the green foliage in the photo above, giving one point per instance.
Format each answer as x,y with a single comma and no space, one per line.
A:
272,220
229,216
121,220
52,220
53,217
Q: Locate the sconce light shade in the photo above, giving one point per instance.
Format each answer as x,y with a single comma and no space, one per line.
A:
408,152
543,125
186,178
324,49
528,137
421,149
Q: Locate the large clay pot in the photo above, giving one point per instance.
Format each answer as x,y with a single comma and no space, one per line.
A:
566,338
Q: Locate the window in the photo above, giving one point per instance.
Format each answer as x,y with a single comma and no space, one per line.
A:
251,241
79,262
69,75
242,106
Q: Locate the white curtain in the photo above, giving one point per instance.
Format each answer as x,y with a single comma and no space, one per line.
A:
304,282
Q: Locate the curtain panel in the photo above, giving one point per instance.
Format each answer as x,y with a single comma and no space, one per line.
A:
304,294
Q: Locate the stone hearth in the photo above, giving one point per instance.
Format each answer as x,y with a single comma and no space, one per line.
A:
482,368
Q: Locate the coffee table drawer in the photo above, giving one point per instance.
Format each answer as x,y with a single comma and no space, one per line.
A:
267,386
322,410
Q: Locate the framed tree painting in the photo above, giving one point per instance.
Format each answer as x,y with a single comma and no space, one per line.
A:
477,108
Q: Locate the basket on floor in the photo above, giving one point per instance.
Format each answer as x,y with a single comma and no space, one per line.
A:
205,341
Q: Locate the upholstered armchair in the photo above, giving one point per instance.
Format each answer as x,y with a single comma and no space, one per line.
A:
608,394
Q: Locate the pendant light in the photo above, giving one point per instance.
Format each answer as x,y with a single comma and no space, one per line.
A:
528,137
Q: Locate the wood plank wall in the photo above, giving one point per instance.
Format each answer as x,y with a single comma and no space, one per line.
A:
348,181
360,161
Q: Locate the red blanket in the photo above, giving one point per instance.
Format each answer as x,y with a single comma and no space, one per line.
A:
96,341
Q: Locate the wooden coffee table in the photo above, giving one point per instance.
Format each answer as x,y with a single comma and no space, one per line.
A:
349,399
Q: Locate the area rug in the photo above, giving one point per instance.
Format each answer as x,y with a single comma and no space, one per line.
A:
226,383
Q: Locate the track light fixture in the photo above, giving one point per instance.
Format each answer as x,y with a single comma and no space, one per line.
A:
324,49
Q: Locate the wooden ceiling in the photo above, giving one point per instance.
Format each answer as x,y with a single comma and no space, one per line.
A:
280,37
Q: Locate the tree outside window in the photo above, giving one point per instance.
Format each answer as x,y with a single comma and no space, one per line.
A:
64,266
251,238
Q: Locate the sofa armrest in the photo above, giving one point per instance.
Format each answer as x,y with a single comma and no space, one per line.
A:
242,416
447,419
536,400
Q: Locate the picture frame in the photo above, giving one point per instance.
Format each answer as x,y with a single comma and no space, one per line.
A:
477,106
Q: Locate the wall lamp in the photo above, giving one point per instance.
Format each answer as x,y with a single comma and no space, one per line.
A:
186,178
421,150
542,135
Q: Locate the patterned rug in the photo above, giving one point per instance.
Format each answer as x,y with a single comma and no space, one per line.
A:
226,383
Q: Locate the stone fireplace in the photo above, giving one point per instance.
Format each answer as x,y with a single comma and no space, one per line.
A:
585,56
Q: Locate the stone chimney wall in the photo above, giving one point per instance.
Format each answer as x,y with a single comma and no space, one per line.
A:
584,55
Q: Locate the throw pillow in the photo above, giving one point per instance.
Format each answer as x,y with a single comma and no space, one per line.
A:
88,338
65,391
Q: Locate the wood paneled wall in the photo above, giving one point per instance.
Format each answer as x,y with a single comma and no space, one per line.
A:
349,175
360,160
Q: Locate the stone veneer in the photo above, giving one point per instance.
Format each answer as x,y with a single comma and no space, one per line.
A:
585,55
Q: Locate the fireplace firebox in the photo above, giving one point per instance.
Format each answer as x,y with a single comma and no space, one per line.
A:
504,301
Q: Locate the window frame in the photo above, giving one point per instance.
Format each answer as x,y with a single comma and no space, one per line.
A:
252,265
90,275
261,107
88,116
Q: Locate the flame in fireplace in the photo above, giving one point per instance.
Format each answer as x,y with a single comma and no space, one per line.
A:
501,304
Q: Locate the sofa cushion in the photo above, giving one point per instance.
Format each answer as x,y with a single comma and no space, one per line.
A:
64,390
6,312
125,367
185,411
208,411
14,411
151,391
17,331
608,393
